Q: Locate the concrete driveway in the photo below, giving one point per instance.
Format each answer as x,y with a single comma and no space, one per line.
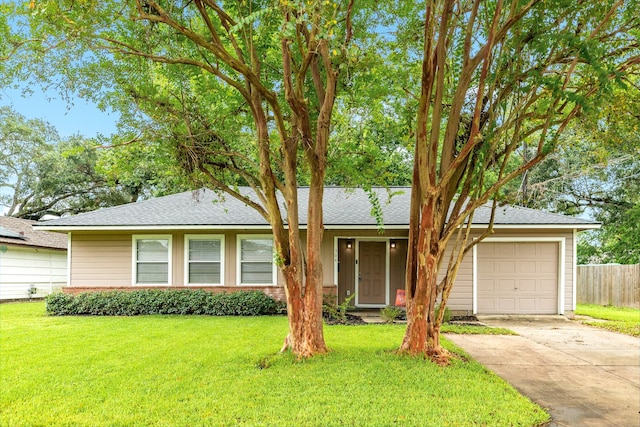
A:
583,376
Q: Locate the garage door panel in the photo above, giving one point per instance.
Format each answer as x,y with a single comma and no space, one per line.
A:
506,285
504,250
548,305
487,284
548,267
527,285
527,267
517,277
548,285
506,304
506,267
487,268
527,250
527,305
486,305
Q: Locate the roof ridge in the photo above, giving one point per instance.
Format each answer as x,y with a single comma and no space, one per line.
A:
137,203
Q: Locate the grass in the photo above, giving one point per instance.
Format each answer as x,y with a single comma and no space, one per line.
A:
204,371
618,319
452,328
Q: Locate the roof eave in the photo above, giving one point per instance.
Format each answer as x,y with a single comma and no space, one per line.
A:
581,226
67,228
30,246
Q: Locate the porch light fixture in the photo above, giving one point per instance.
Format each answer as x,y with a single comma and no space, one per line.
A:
348,244
393,244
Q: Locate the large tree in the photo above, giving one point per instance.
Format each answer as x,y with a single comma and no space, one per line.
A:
595,172
44,174
244,91
497,78
22,144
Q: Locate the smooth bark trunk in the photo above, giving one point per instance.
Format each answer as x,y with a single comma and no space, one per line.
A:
422,336
305,338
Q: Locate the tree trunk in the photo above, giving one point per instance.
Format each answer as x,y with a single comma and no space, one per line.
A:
422,336
314,274
304,302
305,338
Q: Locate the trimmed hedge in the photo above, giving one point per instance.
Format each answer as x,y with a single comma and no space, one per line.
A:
152,301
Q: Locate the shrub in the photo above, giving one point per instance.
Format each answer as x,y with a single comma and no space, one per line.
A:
447,314
391,313
60,304
334,312
151,301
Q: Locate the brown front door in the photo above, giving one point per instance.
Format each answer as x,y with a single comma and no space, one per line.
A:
372,273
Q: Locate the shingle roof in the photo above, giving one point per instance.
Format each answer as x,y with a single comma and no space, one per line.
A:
342,208
20,232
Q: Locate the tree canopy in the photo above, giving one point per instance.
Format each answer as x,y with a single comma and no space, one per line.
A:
43,174
595,172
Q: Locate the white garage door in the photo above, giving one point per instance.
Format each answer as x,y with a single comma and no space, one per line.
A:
517,278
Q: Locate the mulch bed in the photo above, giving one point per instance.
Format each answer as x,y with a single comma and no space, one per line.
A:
353,320
350,320
463,319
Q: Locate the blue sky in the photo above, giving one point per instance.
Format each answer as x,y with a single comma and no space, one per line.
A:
82,117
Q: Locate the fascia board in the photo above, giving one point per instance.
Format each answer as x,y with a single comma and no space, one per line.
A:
68,228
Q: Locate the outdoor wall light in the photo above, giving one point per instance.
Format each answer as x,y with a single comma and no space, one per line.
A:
393,244
348,244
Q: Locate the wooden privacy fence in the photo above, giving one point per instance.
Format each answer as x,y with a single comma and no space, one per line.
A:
609,284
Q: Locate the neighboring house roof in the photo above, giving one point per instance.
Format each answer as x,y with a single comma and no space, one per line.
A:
20,232
343,208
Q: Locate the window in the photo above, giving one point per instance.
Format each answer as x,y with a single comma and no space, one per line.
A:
204,259
256,260
151,260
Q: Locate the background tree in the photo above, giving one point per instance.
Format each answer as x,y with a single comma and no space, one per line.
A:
604,184
496,76
22,143
595,172
42,174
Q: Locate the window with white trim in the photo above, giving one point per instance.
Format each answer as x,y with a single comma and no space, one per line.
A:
256,260
152,260
204,259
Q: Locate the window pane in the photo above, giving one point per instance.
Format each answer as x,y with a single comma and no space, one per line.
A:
153,250
152,273
204,272
204,250
257,273
257,250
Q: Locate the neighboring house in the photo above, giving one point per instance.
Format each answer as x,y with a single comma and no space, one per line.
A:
33,263
197,239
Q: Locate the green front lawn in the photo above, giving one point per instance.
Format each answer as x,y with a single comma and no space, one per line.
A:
619,319
449,328
201,371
